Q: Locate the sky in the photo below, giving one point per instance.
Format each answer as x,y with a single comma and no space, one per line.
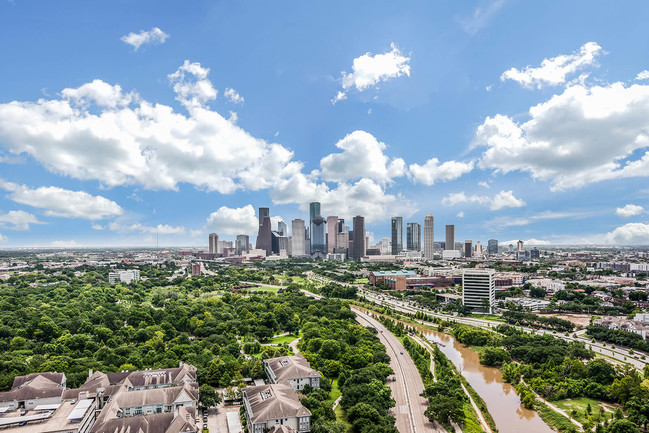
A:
132,123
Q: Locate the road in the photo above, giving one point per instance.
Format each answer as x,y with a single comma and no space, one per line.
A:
406,390
617,354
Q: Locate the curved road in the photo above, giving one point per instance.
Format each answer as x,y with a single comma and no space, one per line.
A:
406,390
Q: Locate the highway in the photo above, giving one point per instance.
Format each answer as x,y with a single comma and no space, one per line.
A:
410,406
617,354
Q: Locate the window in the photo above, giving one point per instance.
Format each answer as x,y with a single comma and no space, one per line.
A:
138,410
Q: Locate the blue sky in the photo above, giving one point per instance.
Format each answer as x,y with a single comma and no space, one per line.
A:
510,119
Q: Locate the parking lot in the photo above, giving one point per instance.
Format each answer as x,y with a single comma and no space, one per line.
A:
217,418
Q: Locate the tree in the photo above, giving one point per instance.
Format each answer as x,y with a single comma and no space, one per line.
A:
622,426
208,396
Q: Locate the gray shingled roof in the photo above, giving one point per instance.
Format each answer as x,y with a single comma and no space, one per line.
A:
274,401
290,367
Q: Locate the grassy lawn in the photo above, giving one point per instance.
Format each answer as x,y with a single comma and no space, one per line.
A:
580,405
341,417
281,340
361,281
554,419
471,423
487,317
263,289
335,392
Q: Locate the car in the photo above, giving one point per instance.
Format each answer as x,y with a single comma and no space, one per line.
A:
73,402
402,353
23,412
204,426
22,423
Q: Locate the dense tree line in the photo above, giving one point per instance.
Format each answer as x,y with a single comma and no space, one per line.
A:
353,355
619,337
77,325
529,319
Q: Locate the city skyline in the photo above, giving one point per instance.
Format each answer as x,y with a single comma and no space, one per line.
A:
134,128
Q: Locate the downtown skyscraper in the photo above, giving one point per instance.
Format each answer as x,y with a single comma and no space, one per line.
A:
264,236
450,237
213,243
429,237
413,236
397,235
298,238
358,246
317,226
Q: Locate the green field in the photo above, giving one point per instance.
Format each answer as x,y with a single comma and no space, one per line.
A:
281,340
579,405
487,317
471,422
341,417
335,392
263,289
555,419
361,281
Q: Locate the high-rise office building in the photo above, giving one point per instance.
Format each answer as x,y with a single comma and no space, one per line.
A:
263,213
242,244
264,236
535,254
342,241
478,249
429,237
450,237
196,269
332,231
492,247
282,229
314,211
358,246
468,248
318,236
213,241
299,238
520,246
342,228
397,235
413,237
511,248
478,289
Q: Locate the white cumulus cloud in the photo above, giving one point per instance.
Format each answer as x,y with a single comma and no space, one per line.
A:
432,171
234,221
64,244
145,37
629,234
233,96
554,71
643,75
18,220
119,139
362,156
61,202
162,229
369,70
505,199
629,210
581,136
3,238
501,200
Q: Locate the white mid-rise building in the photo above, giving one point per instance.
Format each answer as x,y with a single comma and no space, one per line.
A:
478,289
124,276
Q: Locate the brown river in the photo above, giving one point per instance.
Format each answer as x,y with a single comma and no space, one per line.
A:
502,401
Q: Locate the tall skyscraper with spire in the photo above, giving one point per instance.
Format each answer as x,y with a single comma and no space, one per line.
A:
429,237
397,235
317,226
